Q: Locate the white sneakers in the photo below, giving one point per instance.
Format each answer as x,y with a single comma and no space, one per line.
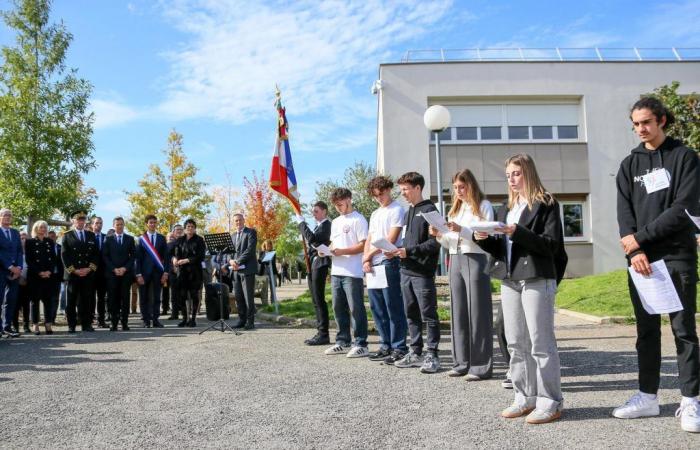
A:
639,405
646,405
350,352
358,352
689,412
337,349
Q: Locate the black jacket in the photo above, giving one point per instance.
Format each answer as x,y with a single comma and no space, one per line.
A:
538,245
115,255
190,276
658,220
77,254
244,247
40,257
145,264
321,235
422,250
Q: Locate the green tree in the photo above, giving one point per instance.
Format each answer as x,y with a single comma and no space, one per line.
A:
288,244
356,179
172,193
686,109
45,127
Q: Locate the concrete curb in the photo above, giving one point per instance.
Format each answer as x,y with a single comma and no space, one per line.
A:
310,323
605,320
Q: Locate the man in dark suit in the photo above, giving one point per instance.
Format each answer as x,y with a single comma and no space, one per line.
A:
80,257
100,276
11,260
119,255
152,268
321,234
57,275
244,264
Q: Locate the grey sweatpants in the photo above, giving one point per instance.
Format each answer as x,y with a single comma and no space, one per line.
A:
528,313
472,315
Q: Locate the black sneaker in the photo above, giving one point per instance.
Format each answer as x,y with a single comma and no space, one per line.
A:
396,355
11,332
380,354
318,340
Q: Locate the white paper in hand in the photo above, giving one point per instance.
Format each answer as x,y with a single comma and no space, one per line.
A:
436,221
384,245
299,218
323,250
377,278
695,219
657,293
486,227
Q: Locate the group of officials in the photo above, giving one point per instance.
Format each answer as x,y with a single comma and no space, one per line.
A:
521,244
97,271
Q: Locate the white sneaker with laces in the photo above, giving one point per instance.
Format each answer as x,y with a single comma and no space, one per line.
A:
357,352
689,412
637,406
337,349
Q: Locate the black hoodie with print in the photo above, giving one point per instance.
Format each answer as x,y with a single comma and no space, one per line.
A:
658,220
422,250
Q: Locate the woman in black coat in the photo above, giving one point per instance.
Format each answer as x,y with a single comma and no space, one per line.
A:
41,263
188,255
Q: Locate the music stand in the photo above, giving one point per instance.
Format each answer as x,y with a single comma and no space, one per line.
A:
220,243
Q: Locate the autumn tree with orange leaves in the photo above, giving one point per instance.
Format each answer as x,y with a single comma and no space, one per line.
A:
264,210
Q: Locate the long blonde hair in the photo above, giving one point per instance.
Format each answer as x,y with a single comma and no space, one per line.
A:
534,191
474,194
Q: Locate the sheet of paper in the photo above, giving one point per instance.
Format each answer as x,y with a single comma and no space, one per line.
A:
268,257
695,219
486,227
657,293
435,219
385,245
323,250
377,278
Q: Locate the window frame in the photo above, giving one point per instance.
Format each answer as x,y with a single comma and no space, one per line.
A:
585,220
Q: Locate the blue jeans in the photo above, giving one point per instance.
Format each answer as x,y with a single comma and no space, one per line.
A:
388,310
349,309
8,298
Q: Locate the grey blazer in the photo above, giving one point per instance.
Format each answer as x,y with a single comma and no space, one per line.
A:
245,251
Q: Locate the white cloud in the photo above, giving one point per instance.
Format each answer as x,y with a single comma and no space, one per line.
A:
317,52
112,111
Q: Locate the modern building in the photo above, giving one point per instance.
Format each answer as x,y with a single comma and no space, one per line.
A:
569,109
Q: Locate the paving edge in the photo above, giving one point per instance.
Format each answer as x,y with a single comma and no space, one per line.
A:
311,323
594,319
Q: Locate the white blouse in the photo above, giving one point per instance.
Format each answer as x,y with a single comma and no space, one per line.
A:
461,243
513,217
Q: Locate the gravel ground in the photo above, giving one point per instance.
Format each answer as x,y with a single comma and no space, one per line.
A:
171,388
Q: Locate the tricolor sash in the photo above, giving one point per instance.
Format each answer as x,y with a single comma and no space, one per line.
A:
146,243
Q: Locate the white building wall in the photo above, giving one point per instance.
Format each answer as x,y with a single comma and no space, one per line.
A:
607,91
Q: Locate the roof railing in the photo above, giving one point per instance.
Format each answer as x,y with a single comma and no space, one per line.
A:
553,54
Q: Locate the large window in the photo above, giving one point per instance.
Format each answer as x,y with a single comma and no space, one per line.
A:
516,122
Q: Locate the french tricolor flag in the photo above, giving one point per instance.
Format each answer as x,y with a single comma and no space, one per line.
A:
282,178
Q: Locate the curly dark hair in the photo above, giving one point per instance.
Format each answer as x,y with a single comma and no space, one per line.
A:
412,178
657,108
380,183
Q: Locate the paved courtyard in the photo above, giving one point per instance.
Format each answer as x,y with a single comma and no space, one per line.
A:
172,388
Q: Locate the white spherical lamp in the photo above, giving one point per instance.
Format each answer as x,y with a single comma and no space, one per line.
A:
436,118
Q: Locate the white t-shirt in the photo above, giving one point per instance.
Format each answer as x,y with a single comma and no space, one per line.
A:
382,221
347,231
461,243
513,217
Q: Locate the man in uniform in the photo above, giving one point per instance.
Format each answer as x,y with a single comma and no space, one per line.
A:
80,257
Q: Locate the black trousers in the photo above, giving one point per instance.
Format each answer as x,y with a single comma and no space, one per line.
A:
684,276
244,291
119,291
41,291
317,287
80,295
165,298
420,301
100,302
501,334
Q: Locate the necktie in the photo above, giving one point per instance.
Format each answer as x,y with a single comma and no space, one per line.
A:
99,241
7,233
80,233
119,239
153,239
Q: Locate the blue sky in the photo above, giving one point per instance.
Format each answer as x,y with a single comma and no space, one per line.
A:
208,69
